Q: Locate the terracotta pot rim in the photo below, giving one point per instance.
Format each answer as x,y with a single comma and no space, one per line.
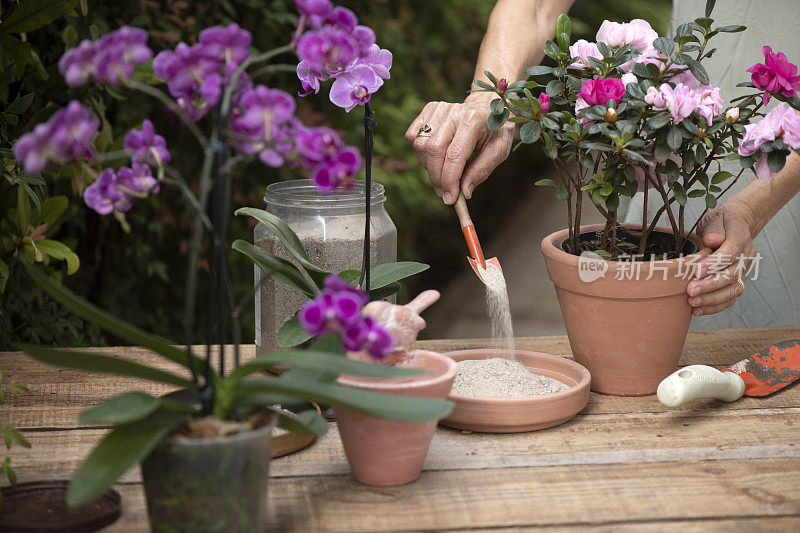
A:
404,384
190,442
533,401
551,245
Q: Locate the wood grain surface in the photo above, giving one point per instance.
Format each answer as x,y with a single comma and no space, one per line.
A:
623,464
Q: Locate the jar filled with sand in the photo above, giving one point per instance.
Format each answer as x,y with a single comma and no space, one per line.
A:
331,228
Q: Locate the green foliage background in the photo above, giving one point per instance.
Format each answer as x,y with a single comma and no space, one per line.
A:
139,274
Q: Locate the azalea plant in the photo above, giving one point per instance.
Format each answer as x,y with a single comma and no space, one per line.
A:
635,112
211,87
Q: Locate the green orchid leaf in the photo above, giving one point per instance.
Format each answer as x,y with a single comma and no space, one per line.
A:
125,446
107,321
385,274
291,333
402,408
317,360
308,422
104,364
121,409
277,267
289,239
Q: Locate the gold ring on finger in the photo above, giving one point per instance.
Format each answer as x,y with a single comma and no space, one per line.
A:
741,285
424,131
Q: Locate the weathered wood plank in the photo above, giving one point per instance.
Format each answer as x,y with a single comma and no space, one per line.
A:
761,524
57,396
587,440
510,497
134,520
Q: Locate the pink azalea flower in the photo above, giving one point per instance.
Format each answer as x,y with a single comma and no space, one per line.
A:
544,102
629,77
638,33
782,122
583,49
775,75
648,56
600,91
710,102
680,101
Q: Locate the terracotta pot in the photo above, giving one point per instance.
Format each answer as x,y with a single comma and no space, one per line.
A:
386,452
628,333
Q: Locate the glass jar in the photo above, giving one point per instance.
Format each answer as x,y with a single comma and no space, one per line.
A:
331,228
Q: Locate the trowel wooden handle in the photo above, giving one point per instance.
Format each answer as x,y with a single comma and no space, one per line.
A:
462,211
699,381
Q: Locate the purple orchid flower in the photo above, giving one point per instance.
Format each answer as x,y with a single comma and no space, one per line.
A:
118,53
228,45
264,124
317,144
65,137
77,64
328,49
309,79
103,195
330,312
368,336
364,37
343,18
337,309
146,144
355,87
379,60
192,78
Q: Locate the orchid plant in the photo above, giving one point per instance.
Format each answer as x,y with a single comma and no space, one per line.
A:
635,112
211,88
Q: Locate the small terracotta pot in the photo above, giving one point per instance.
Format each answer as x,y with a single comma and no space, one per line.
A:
385,452
628,333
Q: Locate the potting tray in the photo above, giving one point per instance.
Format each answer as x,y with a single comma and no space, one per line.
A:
623,464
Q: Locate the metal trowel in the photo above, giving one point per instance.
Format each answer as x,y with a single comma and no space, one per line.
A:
475,258
761,374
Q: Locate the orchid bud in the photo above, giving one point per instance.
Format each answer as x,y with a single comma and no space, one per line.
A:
502,85
732,115
702,134
611,115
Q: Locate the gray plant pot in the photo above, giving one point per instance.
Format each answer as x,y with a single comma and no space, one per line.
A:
209,485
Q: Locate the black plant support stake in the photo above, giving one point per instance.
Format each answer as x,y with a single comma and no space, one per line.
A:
369,124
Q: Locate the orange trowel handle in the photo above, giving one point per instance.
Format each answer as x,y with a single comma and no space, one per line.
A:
470,235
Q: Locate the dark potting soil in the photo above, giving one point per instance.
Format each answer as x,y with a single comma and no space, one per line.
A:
660,245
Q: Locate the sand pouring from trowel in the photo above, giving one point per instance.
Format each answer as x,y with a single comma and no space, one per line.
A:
501,389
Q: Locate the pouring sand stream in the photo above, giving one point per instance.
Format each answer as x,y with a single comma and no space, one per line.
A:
501,376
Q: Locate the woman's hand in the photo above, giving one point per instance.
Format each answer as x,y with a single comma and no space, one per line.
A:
728,230
456,131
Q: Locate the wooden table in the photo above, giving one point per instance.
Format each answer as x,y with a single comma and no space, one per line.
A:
624,464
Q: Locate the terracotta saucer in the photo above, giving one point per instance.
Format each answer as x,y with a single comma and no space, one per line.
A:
517,415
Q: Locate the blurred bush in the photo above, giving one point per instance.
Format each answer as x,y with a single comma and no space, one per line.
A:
139,274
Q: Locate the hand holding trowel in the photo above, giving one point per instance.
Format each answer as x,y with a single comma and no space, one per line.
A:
760,374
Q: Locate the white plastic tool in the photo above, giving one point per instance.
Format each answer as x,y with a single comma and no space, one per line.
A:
699,381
